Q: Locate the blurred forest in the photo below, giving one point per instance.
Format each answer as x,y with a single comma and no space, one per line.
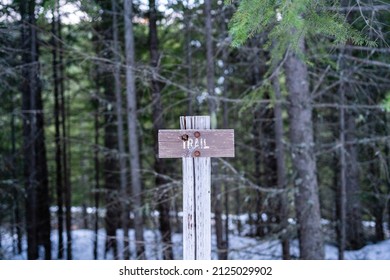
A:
85,86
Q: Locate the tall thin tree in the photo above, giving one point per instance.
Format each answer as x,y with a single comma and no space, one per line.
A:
188,55
163,201
131,111
354,225
36,180
57,137
111,184
64,139
17,230
96,190
281,166
225,118
120,133
349,213
210,74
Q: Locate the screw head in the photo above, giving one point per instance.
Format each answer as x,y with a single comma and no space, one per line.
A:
184,137
196,153
197,134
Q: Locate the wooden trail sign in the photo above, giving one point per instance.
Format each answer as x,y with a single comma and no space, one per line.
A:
196,143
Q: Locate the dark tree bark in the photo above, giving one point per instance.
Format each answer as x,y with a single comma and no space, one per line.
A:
374,176
260,228
387,154
17,221
65,149
110,178
265,172
188,56
163,201
28,125
354,226
269,171
97,178
44,224
378,210
350,231
238,210
210,73
110,169
57,138
303,160
257,74
35,170
120,134
104,78
133,130
379,230
281,168
342,189
225,121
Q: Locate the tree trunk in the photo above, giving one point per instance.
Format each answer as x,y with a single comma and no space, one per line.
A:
237,196
36,180
28,126
350,216
354,227
132,130
374,177
260,229
387,155
163,201
221,243
120,135
110,167
188,57
342,195
281,168
225,57
111,189
379,230
97,180
110,164
303,159
17,226
57,137
269,170
210,65
44,223
65,149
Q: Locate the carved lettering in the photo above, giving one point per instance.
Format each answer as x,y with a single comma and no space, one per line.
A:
197,143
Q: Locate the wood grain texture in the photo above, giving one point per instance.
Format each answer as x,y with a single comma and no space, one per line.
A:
196,198
184,143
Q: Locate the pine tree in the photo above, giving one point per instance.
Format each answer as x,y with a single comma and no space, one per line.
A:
288,25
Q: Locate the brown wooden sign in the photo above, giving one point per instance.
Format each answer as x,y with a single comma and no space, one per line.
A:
195,143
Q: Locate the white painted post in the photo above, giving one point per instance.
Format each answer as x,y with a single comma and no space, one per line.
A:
196,198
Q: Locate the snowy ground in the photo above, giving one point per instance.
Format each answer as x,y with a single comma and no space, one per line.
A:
240,248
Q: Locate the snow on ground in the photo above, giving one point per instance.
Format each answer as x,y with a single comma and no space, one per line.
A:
240,248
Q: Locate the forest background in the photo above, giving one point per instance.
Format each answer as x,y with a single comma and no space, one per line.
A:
85,86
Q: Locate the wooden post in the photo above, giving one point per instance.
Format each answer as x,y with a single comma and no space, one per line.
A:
196,143
196,198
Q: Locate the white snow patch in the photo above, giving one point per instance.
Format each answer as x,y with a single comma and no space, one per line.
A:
240,248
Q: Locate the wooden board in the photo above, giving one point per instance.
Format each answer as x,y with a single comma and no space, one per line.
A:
195,143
